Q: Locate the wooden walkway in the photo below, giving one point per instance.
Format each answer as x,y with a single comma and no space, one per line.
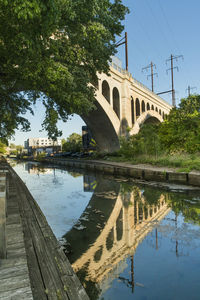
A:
35,266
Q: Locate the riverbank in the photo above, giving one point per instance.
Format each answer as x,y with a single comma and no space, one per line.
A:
183,162
138,171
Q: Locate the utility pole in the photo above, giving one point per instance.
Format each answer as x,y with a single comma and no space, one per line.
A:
189,90
126,50
172,75
124,41
151,65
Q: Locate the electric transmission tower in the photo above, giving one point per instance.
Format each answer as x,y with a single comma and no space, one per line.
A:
151,66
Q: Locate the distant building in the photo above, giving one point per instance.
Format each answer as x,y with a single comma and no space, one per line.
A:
42,145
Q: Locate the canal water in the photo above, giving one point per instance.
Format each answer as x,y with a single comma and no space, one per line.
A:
124,240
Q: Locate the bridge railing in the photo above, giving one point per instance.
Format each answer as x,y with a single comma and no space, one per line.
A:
124,72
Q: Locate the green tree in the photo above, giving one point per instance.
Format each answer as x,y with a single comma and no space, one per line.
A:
73,143
2,148
145,142
19,149
50,51
181,130
12,146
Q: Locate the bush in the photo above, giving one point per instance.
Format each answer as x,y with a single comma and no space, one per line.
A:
146,142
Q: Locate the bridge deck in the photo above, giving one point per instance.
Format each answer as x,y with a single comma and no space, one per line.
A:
35,266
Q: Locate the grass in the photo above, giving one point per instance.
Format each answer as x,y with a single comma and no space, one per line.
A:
183,162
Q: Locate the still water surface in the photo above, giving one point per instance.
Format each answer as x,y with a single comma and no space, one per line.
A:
124,240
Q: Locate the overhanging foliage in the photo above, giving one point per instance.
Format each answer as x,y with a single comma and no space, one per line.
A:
51,50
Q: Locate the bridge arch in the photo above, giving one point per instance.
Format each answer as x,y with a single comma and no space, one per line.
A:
106,90
146,117
137,107
132,111
110,239
116,102
104,124
143,106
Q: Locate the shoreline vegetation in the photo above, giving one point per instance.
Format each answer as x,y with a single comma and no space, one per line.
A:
182,162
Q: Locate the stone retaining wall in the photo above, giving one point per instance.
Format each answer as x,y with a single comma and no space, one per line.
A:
145,172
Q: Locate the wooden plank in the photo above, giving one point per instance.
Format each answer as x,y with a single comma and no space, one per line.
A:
2,216
16,252
13,219
70,281
12,232
14,283
8,263
13,271
36,280
16,246
48,267
18,294
49,271
14,275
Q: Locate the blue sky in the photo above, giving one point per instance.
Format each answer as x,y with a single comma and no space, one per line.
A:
156,29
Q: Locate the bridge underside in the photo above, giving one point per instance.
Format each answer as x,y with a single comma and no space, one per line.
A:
149,117
102,129
151,120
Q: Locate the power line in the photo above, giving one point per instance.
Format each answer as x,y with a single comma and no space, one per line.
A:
168,25
142,28
151,65
154,17
175,40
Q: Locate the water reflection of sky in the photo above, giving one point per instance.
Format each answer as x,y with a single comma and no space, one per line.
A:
166,269
156,255
59,195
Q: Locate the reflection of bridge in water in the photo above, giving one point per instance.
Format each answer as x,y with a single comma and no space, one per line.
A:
116,220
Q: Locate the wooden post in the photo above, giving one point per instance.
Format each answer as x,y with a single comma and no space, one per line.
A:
2,216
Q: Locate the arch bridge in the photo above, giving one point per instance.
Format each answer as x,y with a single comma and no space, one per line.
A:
122,103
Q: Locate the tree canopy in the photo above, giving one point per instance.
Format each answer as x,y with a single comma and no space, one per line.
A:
73,143
50,51
181,130
2,147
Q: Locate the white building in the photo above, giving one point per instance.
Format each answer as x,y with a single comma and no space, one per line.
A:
41,144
